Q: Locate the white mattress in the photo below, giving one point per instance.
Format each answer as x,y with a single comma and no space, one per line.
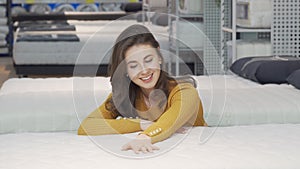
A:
224,82
111,26
247,147
2,11
267,104
231,100
49,104
96,40
83,52
4,29
3,50
58,104
3,21
246,48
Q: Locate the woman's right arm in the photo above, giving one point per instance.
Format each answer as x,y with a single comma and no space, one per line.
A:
102,121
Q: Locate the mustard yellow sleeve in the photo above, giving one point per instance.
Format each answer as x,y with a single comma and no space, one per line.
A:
102,121
184,103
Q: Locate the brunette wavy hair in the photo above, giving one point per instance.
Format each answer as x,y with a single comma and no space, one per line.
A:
124,91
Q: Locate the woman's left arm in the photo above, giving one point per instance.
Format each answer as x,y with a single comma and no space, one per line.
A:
184,105
185,102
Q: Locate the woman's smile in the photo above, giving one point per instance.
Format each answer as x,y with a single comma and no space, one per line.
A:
147,79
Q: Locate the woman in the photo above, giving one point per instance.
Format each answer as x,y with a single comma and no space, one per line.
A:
145,97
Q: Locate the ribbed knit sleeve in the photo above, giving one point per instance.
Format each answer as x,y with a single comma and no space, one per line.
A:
183,108
102,121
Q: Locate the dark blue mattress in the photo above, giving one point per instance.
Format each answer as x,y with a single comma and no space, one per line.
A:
266,69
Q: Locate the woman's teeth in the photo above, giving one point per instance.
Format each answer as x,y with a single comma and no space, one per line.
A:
146,78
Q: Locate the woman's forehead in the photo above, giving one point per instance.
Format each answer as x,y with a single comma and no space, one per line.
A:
139,51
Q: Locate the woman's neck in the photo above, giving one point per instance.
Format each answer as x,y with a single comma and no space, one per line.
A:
146,92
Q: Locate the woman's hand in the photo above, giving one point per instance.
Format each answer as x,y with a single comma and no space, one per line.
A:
142,143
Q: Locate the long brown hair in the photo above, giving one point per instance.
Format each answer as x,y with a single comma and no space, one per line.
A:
124,92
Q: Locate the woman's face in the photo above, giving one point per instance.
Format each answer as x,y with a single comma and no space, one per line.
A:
143,65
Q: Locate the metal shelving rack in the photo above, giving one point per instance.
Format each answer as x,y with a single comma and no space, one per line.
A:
285,28
176,48
211,58
229,25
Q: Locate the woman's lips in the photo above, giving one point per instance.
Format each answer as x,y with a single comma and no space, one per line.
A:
147,79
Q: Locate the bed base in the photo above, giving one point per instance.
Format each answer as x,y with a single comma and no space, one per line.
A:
62,70
86,70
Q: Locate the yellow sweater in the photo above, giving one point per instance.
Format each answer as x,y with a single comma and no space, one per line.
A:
183,108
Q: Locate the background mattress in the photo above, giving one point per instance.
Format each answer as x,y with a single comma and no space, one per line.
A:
246,48
56,104
96,40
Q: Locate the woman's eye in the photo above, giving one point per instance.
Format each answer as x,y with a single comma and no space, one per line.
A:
148,60
133,66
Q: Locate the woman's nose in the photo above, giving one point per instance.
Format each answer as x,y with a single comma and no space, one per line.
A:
144,68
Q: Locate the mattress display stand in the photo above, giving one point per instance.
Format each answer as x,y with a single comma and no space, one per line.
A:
177,49
229,25
62,69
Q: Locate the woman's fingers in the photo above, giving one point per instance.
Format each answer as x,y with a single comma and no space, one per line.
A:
126,147
140,148
142,143
149,148
136,149
144,150
154,147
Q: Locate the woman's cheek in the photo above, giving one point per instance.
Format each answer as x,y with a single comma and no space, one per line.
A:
132,73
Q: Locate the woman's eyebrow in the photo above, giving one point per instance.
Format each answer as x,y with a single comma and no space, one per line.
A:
147,56
131,61
134,61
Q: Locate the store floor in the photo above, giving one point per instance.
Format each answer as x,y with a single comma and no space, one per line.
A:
6,69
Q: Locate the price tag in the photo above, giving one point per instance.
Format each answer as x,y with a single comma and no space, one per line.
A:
89,1
29,1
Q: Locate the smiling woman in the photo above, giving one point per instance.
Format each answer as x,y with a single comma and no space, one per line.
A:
144,97
143,66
